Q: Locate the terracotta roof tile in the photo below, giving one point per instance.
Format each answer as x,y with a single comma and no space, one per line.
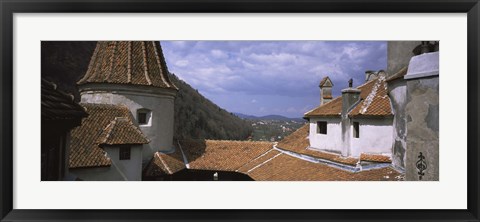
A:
121,130
332,108
163,164
288,168
374,102
128,62
375,158
222,154
57,105
84,147
258,161
374,99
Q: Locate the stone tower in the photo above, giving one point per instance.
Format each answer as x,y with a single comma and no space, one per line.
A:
325,90
135,74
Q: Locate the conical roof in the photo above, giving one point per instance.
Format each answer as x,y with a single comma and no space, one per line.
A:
128,62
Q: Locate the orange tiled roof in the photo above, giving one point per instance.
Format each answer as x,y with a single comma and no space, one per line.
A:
287,168
163,164
375,158
332,108
374,102
121,130
222,154
374,99
128,62
258,161
84,146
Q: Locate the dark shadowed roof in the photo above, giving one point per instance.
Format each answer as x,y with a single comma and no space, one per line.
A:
163,164
84,149
121,130
57,105
128,62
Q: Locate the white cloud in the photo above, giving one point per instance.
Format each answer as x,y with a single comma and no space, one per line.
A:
219,54
181,63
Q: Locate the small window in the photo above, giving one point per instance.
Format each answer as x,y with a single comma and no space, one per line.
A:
144,116
322,127
124,153
356,130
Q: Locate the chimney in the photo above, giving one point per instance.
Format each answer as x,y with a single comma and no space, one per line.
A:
369,75
325,90
350,96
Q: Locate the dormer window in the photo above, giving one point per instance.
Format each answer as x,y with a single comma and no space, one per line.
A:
144,117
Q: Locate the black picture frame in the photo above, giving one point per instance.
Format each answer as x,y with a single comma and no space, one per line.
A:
9,7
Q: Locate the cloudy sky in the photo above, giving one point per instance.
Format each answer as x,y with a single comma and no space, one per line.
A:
271,77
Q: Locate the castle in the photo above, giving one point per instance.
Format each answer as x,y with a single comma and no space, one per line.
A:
127,128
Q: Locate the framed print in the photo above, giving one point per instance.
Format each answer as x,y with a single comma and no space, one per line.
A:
270,110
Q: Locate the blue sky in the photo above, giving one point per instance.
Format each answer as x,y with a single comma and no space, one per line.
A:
271,77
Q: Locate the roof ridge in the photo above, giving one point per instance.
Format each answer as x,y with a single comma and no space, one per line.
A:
157,57
129,59
112,57
251,141
145,65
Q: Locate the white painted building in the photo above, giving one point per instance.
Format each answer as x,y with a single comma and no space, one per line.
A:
131,75
134,74
359,121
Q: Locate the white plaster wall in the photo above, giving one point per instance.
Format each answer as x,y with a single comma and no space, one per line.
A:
160,132
375,137
120,170
332,141
130,169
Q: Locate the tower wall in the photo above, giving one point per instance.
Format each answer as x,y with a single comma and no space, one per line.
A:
159,101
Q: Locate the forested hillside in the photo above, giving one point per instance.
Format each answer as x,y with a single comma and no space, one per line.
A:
64,63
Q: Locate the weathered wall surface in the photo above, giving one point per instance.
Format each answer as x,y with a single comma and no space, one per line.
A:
422,114
332,141
399,54
375,137
398,96
160,132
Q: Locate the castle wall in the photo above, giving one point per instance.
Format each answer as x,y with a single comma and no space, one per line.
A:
159,101
398,96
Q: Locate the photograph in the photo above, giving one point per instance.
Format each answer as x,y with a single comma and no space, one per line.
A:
249,110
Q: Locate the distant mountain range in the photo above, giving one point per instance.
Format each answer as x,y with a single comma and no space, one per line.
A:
268,117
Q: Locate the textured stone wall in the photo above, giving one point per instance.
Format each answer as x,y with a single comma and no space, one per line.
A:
399,54
422,114
398,93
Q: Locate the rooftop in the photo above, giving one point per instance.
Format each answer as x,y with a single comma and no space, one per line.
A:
101,126
374,101
128,62
57,105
